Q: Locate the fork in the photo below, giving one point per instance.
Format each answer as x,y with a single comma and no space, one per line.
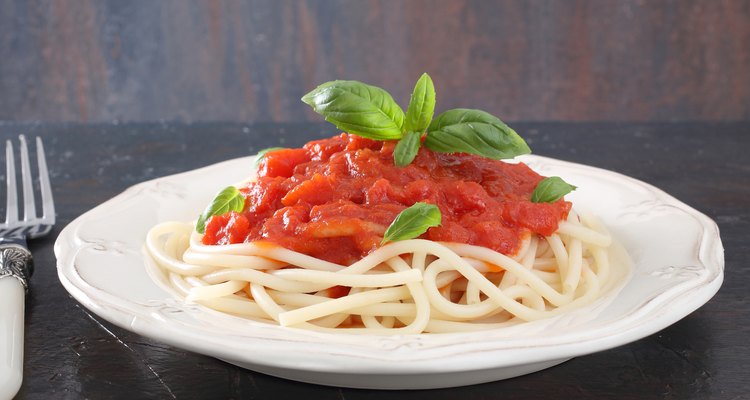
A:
15,258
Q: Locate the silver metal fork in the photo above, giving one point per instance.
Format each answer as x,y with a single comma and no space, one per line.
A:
31,225
15,258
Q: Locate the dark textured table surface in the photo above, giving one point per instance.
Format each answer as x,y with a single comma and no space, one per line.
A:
71,353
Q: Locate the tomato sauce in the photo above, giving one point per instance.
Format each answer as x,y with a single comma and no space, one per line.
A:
334,198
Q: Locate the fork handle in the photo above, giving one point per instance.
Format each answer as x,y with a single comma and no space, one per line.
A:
15,262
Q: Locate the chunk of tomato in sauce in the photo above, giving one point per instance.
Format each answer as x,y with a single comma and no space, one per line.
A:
319,189
227,228
282,162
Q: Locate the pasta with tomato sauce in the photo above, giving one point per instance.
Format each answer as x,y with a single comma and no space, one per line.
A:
305,245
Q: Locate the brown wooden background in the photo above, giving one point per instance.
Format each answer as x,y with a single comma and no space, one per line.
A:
89,60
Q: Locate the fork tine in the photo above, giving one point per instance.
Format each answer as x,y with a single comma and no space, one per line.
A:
47,202
11,210
29,208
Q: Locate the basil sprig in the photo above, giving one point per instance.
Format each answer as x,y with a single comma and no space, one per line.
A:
358,108
551,189
413,222
371,112
229,199
262,154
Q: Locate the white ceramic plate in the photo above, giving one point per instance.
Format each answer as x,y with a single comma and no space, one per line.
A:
676,251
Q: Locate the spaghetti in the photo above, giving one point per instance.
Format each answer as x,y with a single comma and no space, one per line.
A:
407,287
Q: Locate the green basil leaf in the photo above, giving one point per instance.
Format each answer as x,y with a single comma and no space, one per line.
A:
413,222
474,131
551,189
407,148
229,199
358,108
262,154
421,106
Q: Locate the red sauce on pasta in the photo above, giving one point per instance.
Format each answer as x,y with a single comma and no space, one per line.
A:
334,198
